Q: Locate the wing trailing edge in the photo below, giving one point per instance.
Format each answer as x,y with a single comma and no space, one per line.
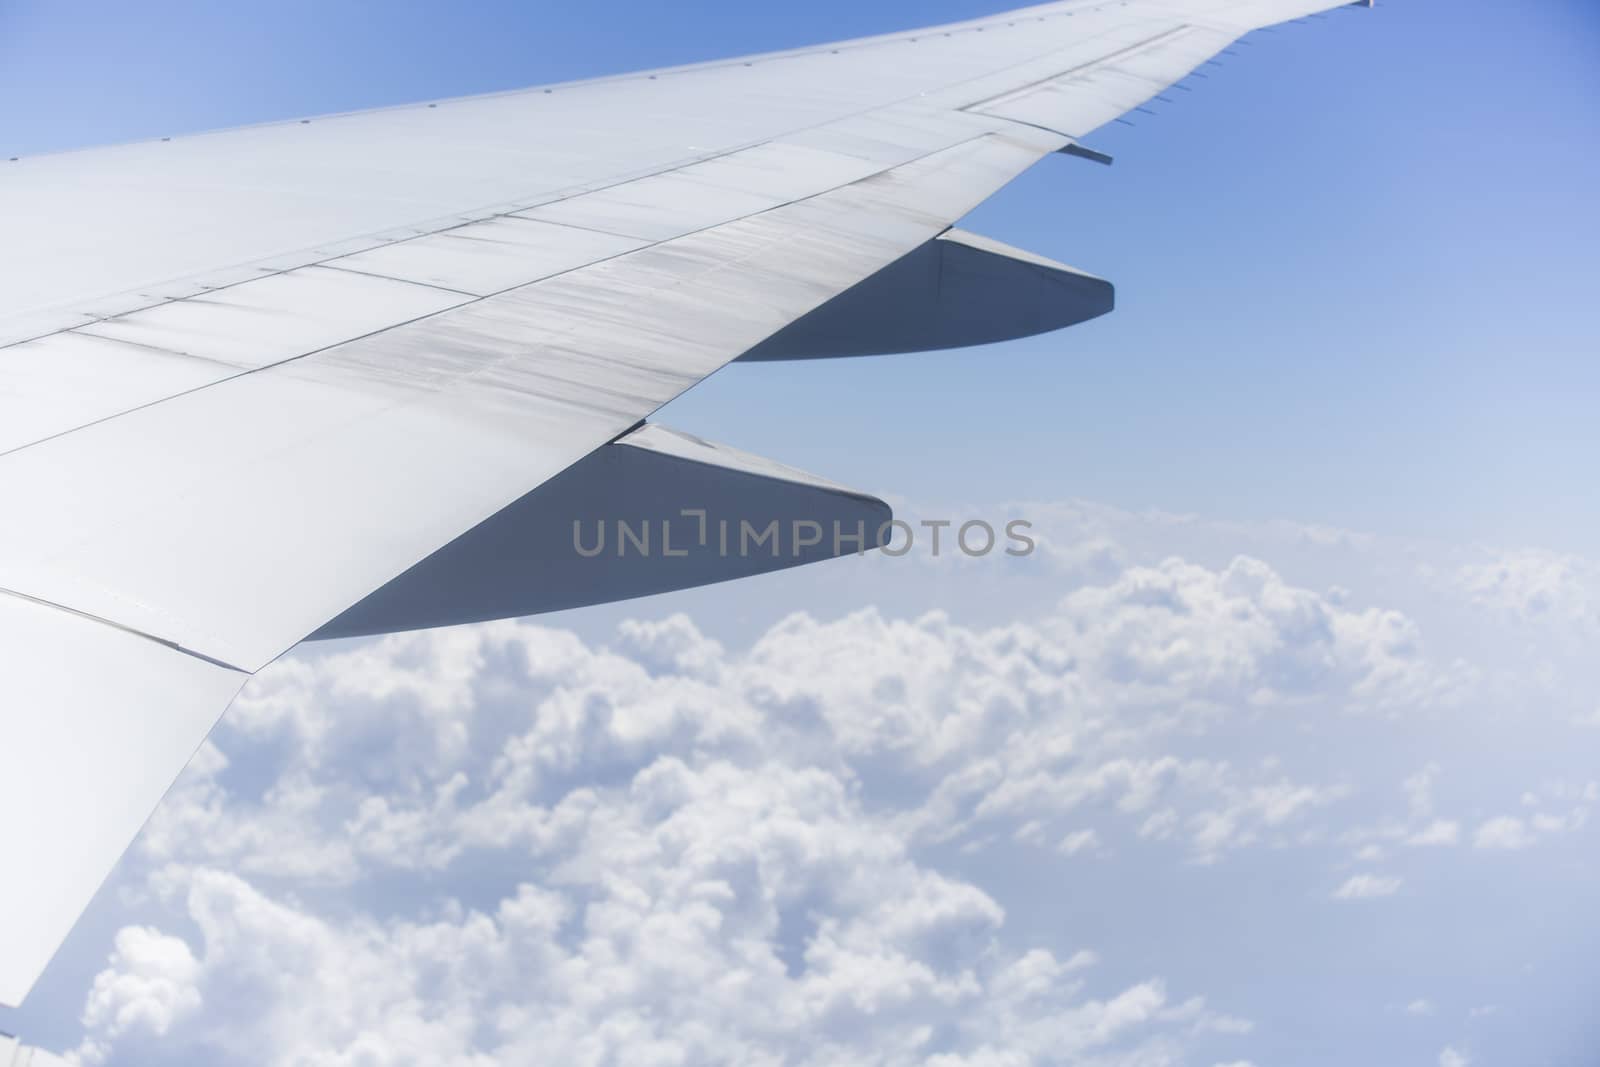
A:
99,720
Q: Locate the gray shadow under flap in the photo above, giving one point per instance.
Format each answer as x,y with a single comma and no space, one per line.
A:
957,290
632,493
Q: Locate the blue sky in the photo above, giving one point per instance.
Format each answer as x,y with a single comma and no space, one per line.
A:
1355,270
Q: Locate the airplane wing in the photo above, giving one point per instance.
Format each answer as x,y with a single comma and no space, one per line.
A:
313,377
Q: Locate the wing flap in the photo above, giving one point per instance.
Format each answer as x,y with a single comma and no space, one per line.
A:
955,291
652,512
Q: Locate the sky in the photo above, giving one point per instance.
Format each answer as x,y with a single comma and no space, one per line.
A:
1283,749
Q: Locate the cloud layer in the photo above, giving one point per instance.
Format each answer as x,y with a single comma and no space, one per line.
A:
507,844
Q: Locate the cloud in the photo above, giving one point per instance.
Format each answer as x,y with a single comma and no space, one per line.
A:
1419,828
1367,887
1503,832
1537,586
508,843
1437,832
687,868
1078,841
658,939
1449,1057
993,721
1516,832
149,985
1506,833
1243,635
669,853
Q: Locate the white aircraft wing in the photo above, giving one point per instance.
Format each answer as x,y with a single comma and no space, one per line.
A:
288,380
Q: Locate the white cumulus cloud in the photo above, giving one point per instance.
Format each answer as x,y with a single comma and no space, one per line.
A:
150,984
509,844
1367,887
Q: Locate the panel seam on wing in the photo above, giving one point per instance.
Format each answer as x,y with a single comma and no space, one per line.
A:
1082,68
123,628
